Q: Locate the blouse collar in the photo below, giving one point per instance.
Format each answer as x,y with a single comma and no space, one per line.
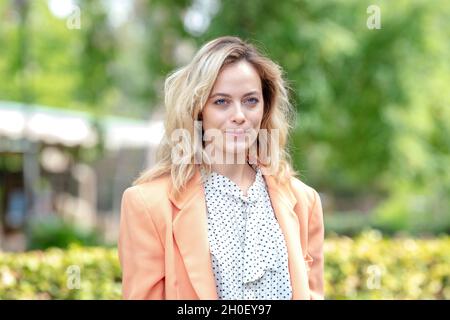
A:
223,184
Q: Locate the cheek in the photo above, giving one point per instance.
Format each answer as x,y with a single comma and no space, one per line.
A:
256,118
213,118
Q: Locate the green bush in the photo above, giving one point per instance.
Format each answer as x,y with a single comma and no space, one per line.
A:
365,267
372,267
52,274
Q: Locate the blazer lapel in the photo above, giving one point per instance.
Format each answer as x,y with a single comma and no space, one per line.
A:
283,203
191,235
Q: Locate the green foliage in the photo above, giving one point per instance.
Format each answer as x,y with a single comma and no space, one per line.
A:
57,232
348,224
372,105
366,267
372,267
52,274
97,54
353,223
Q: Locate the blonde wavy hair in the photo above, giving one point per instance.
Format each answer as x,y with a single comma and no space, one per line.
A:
186,91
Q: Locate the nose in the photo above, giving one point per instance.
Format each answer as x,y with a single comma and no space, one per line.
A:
238,115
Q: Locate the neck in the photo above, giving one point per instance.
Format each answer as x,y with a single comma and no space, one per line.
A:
237,170
242,174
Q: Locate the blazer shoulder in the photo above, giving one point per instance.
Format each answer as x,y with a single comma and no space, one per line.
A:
150,194
304,192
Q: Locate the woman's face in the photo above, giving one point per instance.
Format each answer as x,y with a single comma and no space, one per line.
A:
234,108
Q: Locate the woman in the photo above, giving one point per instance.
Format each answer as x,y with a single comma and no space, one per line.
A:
223,218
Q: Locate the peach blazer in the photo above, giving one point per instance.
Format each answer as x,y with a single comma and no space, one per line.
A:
164,249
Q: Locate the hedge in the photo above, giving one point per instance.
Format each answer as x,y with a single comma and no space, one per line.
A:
52,274
372,267
366,267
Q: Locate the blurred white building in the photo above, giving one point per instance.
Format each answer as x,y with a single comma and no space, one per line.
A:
41,172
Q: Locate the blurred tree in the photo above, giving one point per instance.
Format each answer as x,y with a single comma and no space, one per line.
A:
367,123
373,104
96,56
163,26
15,43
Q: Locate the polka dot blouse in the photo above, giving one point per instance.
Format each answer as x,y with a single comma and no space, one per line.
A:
248,249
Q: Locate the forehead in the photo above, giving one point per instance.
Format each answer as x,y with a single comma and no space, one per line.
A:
237,78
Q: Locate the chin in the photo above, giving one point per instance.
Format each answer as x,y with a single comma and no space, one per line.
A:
235,153
236,147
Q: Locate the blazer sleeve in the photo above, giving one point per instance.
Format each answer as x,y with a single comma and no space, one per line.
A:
140,250
315,249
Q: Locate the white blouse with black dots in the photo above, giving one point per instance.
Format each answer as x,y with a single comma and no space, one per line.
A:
248,249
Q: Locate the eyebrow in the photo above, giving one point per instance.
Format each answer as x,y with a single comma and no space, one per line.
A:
229,96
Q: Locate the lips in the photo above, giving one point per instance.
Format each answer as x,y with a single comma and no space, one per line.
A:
235,131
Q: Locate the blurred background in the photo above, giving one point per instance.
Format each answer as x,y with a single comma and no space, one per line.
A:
81,109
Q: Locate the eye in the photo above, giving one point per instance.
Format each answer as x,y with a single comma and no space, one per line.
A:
220,101
252,100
